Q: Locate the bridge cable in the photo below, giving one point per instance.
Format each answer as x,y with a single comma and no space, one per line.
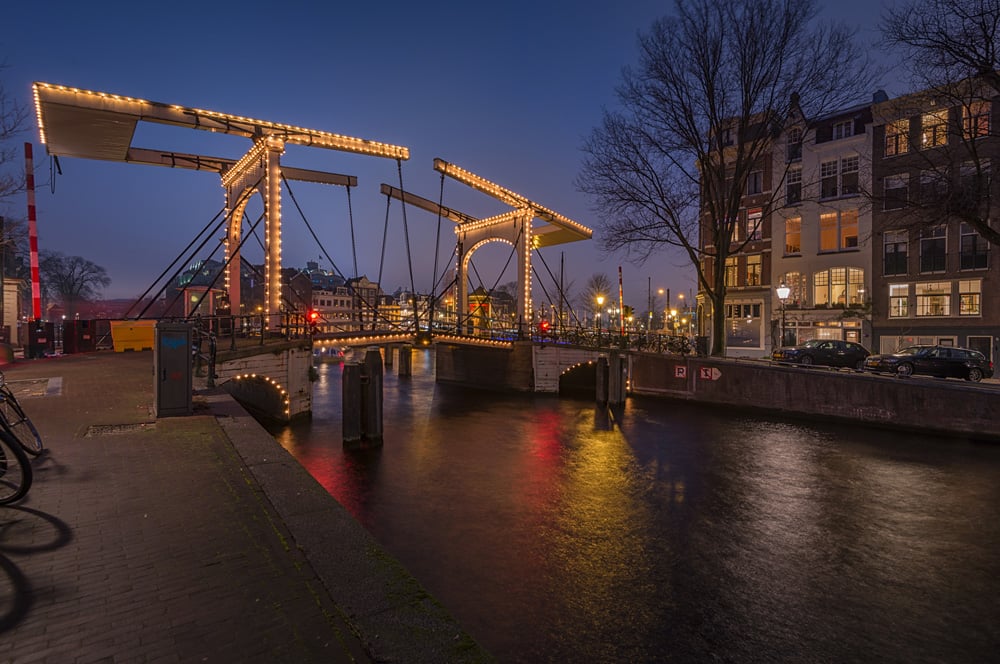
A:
385,235
559,290
225,266
208,237
337,270
437,249
295,201
243,196
406,228
354,244
174,262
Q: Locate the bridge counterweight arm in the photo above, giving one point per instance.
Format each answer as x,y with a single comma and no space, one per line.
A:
511,198
428,205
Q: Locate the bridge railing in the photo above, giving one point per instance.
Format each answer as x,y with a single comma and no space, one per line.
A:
604,339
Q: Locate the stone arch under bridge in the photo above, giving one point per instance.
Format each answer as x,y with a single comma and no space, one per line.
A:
276,383
550,361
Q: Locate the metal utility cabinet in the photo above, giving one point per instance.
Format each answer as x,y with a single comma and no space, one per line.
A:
172,369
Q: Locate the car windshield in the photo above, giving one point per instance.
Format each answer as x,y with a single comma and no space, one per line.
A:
812,343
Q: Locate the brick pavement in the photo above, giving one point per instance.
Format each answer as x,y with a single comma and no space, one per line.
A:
189,539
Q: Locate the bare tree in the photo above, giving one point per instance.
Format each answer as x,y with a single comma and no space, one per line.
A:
952,48
13,122
662,170
945,40
71,279
598,285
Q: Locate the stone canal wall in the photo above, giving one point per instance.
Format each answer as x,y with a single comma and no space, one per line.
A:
502,368
949,407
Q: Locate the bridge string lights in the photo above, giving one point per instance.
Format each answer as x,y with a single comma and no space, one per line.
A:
226,123
575,366
286,400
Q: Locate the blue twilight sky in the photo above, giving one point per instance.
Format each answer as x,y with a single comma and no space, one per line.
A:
507,90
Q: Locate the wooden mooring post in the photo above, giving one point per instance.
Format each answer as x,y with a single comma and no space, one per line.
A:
406,360
362,401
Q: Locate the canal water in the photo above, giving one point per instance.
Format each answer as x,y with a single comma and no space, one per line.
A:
670,532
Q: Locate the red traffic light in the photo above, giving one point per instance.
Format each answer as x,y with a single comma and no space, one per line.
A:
543,326
313,315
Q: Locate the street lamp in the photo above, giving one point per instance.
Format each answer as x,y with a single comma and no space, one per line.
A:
597,317
783,291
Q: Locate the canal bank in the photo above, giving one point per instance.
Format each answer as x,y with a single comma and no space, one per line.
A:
940,406
190,539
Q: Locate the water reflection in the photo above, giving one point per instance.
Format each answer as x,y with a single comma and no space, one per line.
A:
555,532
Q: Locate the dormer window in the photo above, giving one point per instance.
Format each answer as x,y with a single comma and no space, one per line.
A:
843,130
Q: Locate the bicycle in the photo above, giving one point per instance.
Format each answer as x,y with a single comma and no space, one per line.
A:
679,344
15,470
15,422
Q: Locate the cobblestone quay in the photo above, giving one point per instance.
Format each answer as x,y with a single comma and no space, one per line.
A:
189,539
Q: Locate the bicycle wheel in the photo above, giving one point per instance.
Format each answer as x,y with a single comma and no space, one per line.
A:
18,424
15,470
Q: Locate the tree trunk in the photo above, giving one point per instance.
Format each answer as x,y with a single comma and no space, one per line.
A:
718,300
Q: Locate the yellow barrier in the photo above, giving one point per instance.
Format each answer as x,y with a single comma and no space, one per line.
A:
132,334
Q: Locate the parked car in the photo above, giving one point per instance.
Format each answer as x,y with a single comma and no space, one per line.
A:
940,361
827,352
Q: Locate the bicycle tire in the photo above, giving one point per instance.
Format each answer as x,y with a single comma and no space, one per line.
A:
15,470
18,424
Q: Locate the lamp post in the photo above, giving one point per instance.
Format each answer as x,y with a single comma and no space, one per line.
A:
783,291
597,317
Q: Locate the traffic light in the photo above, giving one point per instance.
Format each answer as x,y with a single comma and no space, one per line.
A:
313,317
543,326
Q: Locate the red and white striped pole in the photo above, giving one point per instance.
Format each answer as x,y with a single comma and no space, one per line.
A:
29,177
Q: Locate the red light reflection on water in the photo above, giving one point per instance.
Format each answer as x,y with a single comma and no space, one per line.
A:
341,475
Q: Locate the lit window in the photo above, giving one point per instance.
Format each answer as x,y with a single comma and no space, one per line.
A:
828,231
934,298
821,288
796,283
968,297
898,300
897,137
731,271
753,270
976,119
793,235
838,231
934,129
839,286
